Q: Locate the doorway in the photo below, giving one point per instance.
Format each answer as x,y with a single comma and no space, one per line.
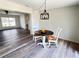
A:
14,20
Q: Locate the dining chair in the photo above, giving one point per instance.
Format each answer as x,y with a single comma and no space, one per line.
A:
36,38
54,38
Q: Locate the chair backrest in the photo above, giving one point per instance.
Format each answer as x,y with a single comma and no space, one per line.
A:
58,32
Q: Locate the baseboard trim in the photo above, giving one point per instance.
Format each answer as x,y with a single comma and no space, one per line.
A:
10,28
68,40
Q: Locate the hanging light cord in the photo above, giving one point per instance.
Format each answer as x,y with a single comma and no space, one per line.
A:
45,4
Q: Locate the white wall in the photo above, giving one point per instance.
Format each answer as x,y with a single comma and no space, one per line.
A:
35,16
27,20
67,18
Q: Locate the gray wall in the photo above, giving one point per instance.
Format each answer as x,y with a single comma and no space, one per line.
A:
27,20
67,18
24,19
17,21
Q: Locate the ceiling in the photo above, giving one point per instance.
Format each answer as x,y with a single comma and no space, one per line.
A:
39,4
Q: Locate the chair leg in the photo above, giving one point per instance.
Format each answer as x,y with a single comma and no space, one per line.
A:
33,38
35,41
56,44
48,44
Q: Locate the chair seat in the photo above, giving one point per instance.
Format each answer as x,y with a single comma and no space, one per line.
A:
52,40
51,37
38,37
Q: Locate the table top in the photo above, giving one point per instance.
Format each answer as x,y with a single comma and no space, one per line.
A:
41,33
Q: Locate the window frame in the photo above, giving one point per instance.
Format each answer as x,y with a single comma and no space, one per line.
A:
9,22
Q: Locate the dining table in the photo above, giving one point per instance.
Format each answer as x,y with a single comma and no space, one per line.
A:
43,34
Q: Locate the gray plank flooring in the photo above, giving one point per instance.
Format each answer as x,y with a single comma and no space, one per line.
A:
12,39
32,50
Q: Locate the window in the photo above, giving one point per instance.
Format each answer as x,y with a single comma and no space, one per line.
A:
8,21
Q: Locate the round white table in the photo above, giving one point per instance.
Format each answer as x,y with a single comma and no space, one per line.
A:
43,35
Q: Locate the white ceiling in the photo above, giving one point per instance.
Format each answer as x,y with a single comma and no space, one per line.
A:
39,4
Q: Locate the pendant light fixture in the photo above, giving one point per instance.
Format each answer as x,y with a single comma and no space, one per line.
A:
44,15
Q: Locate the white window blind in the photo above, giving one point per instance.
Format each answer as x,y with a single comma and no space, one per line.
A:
8,21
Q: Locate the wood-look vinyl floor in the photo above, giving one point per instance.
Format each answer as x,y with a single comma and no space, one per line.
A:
31,50
11,39
15,38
